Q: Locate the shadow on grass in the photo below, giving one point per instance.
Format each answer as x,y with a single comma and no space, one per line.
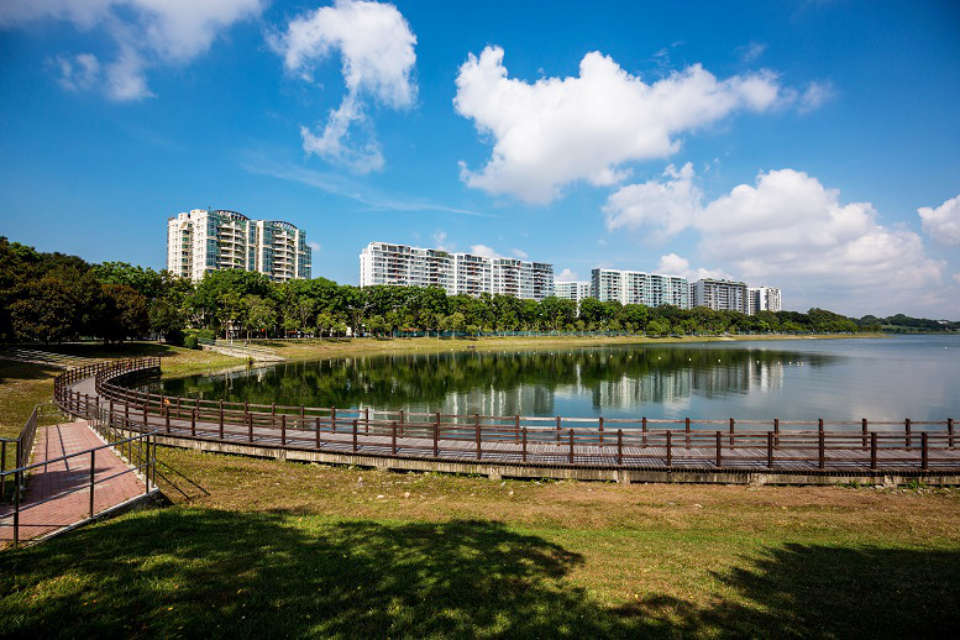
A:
11,370
195,572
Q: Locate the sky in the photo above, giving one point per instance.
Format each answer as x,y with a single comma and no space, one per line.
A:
808,145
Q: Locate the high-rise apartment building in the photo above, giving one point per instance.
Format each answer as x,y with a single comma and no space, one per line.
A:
456,273
720,295
571,290
639,287
763,299
209,240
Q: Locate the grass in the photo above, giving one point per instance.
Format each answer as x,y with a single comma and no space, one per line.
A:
253,547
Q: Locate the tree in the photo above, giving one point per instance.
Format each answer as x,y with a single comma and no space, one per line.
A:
261,316
45,312
166,320
127,313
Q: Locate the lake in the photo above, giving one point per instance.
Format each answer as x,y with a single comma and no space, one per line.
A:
845,379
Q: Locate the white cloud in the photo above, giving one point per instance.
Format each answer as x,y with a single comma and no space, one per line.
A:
520,253
672,264
484,251
555,131
791,231
315,246
440,241
376,47
567,275
78,72
147,33
942,224
668,206
752,51
814,96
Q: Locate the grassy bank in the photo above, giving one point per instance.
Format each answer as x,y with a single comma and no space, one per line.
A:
256,547
262,547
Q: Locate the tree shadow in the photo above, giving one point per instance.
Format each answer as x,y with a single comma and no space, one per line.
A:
819,591
190,572
15,371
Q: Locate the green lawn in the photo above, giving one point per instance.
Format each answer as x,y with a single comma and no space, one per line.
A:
255,548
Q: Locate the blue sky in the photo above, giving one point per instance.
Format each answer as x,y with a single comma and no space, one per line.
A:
809,145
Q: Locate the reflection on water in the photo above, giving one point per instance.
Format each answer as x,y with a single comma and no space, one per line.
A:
910,376
618,381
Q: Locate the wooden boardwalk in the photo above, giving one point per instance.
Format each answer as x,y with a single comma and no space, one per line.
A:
705,451
57,494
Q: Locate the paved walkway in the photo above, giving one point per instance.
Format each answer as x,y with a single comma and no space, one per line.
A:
73,473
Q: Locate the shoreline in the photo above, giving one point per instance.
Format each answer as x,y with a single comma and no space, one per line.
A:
315,349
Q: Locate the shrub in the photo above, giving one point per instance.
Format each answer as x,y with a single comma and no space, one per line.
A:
191,342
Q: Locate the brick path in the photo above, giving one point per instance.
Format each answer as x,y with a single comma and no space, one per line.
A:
53,442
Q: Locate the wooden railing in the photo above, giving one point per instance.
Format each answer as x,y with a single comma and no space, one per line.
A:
643,442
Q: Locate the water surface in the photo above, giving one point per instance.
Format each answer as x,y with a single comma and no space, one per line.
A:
885,378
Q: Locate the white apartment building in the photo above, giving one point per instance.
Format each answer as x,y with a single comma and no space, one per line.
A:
639,287
764,299
720,295
456,273
571,290
209,240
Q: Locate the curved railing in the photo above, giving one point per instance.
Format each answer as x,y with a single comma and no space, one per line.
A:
740,445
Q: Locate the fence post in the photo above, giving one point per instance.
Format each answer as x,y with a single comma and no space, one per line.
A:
669,449
393,436
950,432
477,429
436,436
732,426
166,417
3,467
600,429
571,446
17,481
126,414
873,450
558,429
249,417
719,444
923,451
906,428
643,428
93,466
686,430
366,420
354,436
776,432
221,419
316,431
283,430
821,447
863,431
619,447
770,449
193,422
333,419
524,450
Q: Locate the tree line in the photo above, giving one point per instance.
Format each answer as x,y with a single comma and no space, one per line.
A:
52,297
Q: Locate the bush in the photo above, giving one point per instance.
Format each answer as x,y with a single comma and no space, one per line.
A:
206,334
191,342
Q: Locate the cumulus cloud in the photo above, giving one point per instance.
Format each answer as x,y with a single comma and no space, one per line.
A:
520,253
376,48
555,131
673,264
668,206
790,230
440,241
145,33
484,251
567,275
942,223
